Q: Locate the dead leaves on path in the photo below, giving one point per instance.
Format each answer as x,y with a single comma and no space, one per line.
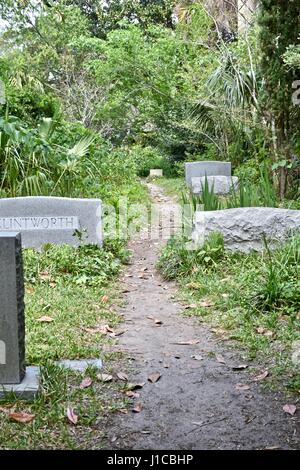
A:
189,342
153,378
137,408
157,321
242,387
263,375
122,376
290,409
220,359
104,330
135,386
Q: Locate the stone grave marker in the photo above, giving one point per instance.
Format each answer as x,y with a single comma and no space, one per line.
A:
222,185
13,375
156,173
54,220
244,228
208,168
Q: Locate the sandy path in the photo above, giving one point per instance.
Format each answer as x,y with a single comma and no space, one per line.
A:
195,404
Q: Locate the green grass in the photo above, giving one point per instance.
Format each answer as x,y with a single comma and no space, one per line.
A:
50,428
77,289
251,299
172,186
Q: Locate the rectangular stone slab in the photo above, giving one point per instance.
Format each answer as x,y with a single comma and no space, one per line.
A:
28,389
209,168
12,323
55,220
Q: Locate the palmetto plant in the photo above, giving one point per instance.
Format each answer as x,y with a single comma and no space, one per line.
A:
229,110
30,165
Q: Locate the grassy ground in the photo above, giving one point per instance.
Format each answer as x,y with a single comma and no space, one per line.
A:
173,186
250,299
72,295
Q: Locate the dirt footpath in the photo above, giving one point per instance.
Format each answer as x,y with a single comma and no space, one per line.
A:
196,403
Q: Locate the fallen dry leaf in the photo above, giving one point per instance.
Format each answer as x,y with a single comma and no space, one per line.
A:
104,299
5,410
261,376
290,409
240,367
188,343
206,303
44,275
30,290
132,394
197,357
138,408
72,416
272,448
118,333
20,417
105,377
249,419
153,378
143,276
105,330
135,386
264,331
122,376
220,359
242,387
193,285
45,319
86,383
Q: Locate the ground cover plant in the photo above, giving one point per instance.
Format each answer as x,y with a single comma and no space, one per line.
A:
71,313
252,299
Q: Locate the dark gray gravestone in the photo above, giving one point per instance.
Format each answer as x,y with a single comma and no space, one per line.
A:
13,375
12,324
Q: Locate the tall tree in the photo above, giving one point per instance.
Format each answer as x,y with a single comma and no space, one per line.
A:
106,16
280,22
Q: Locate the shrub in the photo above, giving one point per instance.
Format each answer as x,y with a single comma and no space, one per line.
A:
177,260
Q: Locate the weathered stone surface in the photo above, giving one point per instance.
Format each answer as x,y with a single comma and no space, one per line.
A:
209,168
43,220
28,389
156,173
221,184
12,324
243,228
80,365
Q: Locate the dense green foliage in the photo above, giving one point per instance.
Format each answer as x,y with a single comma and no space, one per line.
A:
149,87
250,298
280,24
